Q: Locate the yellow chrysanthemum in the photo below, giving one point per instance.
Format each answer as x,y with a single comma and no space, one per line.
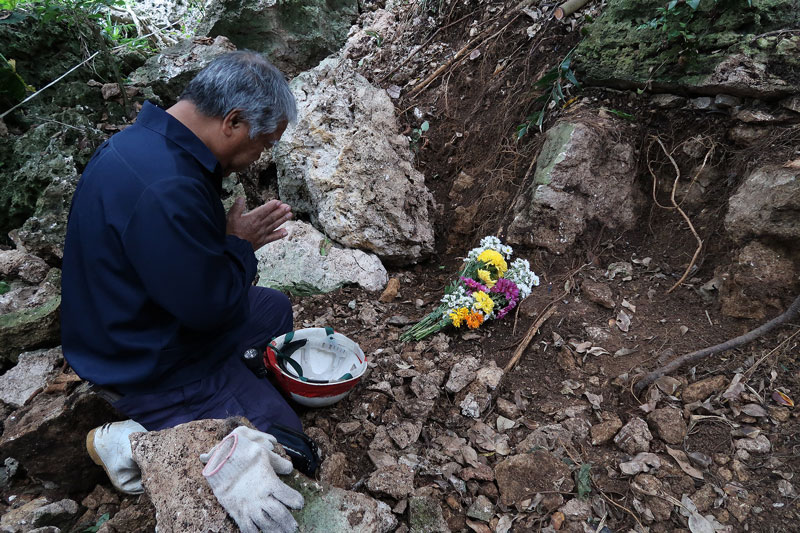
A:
458,316
483,301
474,320
486,277
491,257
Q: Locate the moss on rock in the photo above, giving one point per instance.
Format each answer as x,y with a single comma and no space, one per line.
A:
622,49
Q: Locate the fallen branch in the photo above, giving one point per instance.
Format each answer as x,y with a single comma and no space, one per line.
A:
528,338
731,344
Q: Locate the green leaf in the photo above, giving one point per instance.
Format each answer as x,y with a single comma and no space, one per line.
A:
693,3
325,247
424,126
672,5
571,77
4,287
584,480
100,521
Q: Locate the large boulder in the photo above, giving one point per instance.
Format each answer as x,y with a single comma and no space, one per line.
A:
584,174
29,316
345,165
185,502
48,438
168,72
766,205
733,49
307,262
49,153
294,35
33,371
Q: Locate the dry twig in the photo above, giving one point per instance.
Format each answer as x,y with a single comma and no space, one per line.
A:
528,337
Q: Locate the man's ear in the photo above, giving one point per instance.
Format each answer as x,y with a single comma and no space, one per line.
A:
232,122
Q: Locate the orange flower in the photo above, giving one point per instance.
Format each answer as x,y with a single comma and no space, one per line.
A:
474,320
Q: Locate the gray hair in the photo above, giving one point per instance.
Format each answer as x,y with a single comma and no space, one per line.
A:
247,81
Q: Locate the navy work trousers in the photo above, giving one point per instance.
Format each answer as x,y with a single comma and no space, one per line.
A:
233,390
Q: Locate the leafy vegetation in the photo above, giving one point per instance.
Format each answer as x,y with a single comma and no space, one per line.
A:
555,84
673,21
100,521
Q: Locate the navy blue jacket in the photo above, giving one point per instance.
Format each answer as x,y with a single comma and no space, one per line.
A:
154,293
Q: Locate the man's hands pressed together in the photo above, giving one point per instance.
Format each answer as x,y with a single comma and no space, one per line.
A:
261,225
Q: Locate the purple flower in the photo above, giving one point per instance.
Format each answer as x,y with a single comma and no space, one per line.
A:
473,286
508,289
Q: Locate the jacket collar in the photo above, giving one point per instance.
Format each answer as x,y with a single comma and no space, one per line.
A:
158,120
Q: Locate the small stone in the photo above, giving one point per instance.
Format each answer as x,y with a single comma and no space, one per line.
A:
552,501
760,444
704,498
738,508
396,481
605,431
599,293
721,459
634,437
507,408
425,515
557,520
786,489
780,414
667,100
481,509
504,424
461,375
668,424
702,103
700,390
101,495
740,470
725,473
58,514
576,509
333,470
390,292
725,101
490,375
521,476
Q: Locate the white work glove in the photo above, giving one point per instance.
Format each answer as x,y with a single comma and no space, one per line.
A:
241,470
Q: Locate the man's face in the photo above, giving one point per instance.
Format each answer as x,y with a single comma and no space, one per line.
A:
246,151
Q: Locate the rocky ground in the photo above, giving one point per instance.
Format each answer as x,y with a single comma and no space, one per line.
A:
444,431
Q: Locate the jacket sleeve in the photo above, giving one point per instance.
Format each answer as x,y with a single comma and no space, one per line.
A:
177,244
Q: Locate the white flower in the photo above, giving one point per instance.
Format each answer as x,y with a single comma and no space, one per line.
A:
520,273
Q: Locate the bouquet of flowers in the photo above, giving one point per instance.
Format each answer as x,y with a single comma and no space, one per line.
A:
487,288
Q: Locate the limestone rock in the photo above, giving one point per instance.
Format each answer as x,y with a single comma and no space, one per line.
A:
620,53
599,293
376,203
760,444
27,267
44,232
700,390
754,282
425,515
766,205
521,476
396,481
295,36
48,437
169,71
462,374
29,328
668,424
634,437
59,514
583,175
185,502
32,372
605,431
17,518
306,262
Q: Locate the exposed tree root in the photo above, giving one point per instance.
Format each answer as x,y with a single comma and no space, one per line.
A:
731,344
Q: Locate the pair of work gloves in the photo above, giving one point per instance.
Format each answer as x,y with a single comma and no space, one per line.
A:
242,471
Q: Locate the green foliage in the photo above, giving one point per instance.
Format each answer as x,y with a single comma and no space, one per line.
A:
4,287
621,114
12,87
417,134
8,4
73,12
555,83
124,35
673,21
583,480
376,36
100,521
